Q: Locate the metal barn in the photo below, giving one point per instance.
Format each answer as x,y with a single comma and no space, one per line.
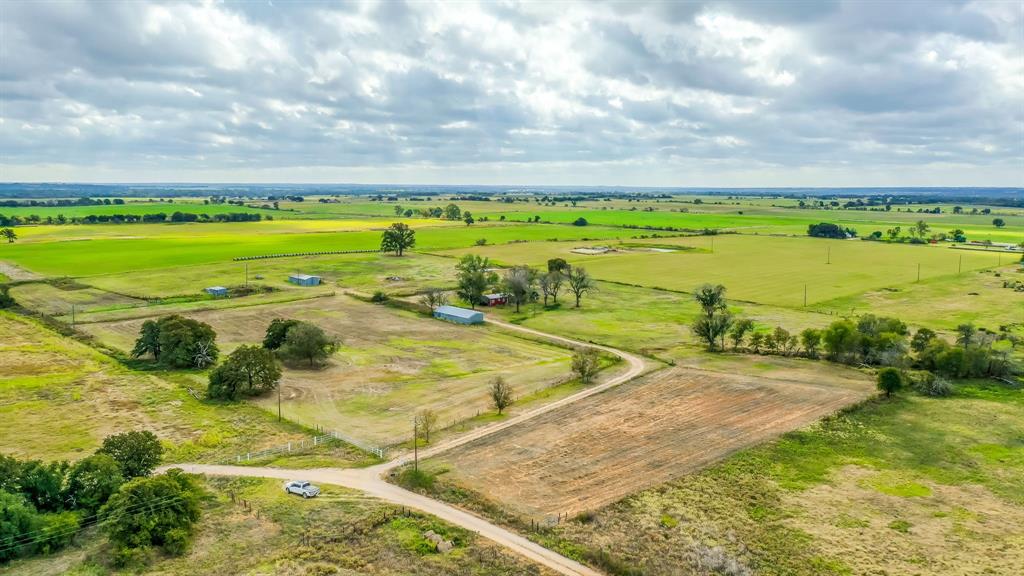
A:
217,291
458,315
304,280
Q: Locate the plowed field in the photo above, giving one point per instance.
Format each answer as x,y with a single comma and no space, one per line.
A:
639,435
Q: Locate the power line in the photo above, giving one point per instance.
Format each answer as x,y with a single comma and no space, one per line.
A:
28,538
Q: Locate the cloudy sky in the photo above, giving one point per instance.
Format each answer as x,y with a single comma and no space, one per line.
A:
662,94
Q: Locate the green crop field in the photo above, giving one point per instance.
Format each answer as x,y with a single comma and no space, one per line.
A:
197,245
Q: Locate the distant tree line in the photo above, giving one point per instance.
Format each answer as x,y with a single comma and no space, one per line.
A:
870,340
156,218
84,201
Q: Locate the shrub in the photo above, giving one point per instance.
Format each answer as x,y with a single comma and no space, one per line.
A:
889,381
379,297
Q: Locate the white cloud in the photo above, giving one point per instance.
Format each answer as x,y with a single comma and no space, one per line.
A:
721,93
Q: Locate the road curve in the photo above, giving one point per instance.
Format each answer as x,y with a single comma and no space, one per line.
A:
370,480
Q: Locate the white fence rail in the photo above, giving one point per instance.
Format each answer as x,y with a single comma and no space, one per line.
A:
307,443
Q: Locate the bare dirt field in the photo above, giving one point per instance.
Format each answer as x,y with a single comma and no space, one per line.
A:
390,364
638,435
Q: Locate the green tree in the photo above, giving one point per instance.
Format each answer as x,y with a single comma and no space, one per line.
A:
398,238
550,285
9,234
997,222
248,371
276,332
186,343
452,212
137,452
474,278
308,342
501,394
739,330
965,334
580,283
558,265
468,218
810,338
889,381
43,484
149,340
177,342
840,340
711,298
152,512
518,284
756,342
92,481
920,228
18,521
586,363
426,421
712,330
921,339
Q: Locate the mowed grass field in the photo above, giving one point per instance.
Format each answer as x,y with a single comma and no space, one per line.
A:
636,436
764,269
390,364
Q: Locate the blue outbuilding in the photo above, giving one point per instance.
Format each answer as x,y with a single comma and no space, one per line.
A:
458,315
218,291
304,280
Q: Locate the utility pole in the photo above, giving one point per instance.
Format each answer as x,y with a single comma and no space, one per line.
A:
918,271
805,295
415,445
960,266
278,401
828,256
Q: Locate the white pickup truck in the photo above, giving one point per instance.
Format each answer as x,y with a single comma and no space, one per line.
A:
302,488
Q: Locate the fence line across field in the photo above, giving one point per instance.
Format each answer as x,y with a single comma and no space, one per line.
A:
319,440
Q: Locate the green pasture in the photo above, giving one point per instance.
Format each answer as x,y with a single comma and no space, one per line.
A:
977,297
768,220
764,269
80,258
363,272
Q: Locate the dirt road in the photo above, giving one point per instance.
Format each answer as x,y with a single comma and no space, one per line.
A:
370,480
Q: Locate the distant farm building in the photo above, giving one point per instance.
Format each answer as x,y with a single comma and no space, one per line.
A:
458,315
304,280
494,299
217,291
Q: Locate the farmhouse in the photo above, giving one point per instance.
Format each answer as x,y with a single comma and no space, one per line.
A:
217,291
494,299
304,280
458,315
